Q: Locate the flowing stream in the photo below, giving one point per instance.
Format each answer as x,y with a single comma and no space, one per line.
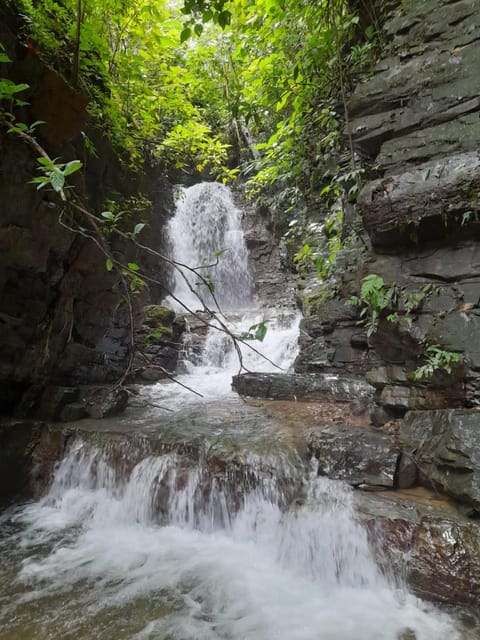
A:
201,522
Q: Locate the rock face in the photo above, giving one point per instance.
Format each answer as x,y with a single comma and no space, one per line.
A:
445,446
274,283
416,117
29,452
62,319
434,548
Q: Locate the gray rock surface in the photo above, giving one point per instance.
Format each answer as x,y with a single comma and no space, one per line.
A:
445,445
303,387
422,100
361,457
422,202
428,542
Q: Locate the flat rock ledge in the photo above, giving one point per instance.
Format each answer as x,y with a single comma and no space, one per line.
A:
305,387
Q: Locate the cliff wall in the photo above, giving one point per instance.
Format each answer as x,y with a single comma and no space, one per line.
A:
416,121
63,320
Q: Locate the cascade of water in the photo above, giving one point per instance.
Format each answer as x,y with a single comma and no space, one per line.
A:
207,230
225,567
215,536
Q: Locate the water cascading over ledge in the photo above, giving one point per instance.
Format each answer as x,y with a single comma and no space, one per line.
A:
135,543
206,233
200,519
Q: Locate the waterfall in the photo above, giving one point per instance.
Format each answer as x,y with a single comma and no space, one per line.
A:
206,233
166,551
207,221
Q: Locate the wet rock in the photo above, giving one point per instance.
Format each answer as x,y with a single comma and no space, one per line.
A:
303,387
446,448
407,472
422,100
422,201
65,404
331,341
62,317
17,442
159,342
359,456
428,542
103,402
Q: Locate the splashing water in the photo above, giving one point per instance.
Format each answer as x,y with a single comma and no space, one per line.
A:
164,553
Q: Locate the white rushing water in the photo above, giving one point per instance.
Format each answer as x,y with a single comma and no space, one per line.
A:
109,557
238,541
208,221
207,229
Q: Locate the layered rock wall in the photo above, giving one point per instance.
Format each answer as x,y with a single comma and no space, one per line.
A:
417,120
62,319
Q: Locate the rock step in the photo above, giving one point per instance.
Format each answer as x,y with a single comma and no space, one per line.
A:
305,387
420,536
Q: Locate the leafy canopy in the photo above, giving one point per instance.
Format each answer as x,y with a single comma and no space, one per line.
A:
184,82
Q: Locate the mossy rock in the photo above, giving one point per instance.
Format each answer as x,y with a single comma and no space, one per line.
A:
313,301
157,316
159,334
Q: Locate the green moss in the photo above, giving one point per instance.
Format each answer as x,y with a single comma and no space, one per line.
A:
159,318
315,300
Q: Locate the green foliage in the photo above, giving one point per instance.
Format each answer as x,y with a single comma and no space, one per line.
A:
256,332
376,297
436,359
54,173
273,68
128,58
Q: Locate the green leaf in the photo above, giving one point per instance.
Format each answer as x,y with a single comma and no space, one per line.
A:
261,331
57,180
138,228
185,35
109,264
133,266
46,162
198,29
224,18
108,215
71,167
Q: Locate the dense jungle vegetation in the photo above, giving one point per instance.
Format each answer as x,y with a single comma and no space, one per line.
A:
219,87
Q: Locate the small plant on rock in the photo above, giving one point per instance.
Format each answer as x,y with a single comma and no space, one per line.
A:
436,359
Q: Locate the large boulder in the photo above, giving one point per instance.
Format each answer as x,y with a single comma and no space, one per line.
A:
445,445
304,387
358,456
